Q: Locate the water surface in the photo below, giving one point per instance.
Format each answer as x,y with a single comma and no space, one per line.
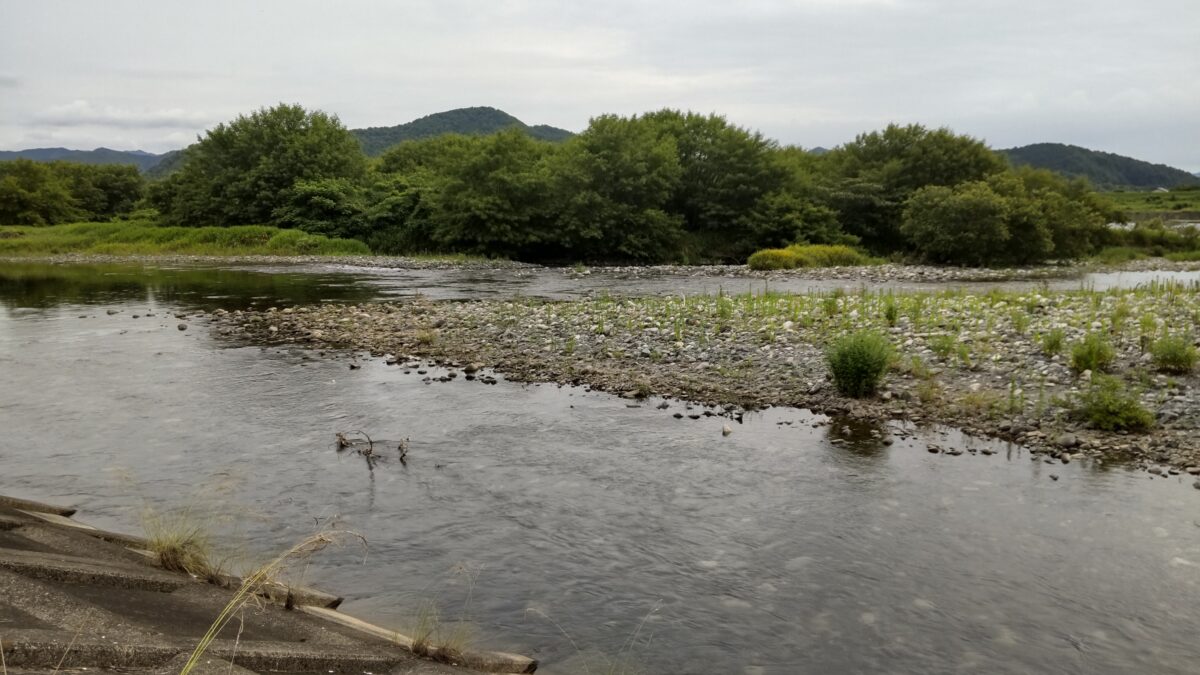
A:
781,548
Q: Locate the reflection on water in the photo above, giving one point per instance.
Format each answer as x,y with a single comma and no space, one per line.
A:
782,548
208,286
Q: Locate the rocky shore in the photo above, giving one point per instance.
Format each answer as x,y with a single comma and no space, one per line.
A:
975,361
885,273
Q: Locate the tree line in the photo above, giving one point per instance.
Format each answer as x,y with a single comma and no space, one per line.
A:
666,186
48,193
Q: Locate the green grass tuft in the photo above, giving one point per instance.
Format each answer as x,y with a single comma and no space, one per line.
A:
1115,255
858,362
1107,404
1093,353
1174,354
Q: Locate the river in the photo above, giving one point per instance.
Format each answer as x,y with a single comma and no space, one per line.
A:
566,524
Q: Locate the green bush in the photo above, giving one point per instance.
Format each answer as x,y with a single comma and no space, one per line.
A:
1093,353
1184,256
1174,354
1115,255
826,255
773,259
808,255
858,362
1052,342
1108,405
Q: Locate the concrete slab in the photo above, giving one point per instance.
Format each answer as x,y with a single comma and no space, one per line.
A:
75,570
76,599
11,617
30,505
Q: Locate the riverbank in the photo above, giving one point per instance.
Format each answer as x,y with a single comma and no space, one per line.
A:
979,362
875,274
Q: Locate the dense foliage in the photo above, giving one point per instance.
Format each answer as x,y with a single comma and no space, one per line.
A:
45,193
241,172
667,186
1103,169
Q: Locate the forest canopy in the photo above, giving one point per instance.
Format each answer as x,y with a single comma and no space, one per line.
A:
666,186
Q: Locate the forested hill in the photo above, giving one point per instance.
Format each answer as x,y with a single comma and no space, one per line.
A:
142,160
1103,169
471,121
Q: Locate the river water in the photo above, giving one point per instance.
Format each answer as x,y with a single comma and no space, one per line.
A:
567,525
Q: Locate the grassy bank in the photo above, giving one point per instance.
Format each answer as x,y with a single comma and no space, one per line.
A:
144,238
1148,201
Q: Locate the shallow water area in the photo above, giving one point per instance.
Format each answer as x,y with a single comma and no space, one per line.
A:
780,548
243,286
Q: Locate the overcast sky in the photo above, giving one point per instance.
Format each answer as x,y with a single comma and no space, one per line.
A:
1115,76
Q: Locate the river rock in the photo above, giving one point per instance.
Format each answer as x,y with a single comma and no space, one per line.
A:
1067,441
182,326
726,430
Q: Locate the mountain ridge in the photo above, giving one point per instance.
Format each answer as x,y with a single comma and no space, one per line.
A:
1105,170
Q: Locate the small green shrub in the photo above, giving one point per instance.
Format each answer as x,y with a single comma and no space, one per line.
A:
1108,405
858,362
1174,354
1093,353
1184,256
808,255
1052,342
1115,255
942,345
891,311
773,259
824,255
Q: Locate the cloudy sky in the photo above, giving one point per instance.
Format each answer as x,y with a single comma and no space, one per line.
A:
1115,76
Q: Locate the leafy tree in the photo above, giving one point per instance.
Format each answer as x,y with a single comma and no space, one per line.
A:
493,200
436,154
873,176
102,191
328,206
733,185
613,183
33,194
962,225
241,171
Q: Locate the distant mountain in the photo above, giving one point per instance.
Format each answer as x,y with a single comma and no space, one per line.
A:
1103,169
142,160
474,121
167,164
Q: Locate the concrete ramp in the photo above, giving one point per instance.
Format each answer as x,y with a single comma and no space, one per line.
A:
75,597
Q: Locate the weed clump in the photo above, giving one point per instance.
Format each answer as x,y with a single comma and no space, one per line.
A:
1174,354
1093,353
1052,342
1108,405
182,542
772,259
858,362
808,255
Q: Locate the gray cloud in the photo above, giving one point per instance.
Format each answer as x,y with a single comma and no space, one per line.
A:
1107,74
81,113
9,82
